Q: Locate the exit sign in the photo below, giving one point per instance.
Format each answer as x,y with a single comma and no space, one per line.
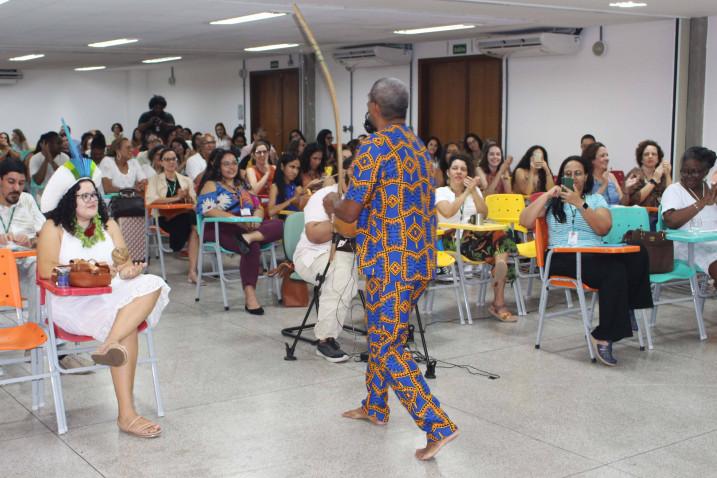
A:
274,64
460,48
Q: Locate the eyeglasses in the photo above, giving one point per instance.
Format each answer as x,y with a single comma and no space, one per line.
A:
169,160
89,197
230,163
262,152
573,174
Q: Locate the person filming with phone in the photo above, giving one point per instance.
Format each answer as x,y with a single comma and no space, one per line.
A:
576,217
532,174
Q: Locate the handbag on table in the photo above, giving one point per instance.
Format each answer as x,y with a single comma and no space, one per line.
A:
127,203
658,247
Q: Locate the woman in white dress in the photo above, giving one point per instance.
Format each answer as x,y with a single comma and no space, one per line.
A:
78,227
690,203
124,172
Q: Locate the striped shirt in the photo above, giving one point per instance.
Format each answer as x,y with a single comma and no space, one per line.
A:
558,233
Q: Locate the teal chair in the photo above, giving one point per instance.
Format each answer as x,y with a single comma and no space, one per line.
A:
681,273
625,219
215,251
293,227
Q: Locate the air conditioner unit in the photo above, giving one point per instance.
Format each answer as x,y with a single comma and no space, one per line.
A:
363,56
10,76
537,44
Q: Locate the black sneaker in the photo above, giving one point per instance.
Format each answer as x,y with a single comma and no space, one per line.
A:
331,351
604,352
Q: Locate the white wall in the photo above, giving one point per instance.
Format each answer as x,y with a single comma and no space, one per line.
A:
86,100
709,131
622,97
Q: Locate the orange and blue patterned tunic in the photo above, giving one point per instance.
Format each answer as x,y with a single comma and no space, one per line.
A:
397,227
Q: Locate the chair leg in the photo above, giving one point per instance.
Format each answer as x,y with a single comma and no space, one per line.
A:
275,280
541,312
699,303
222,280
200,269
155,372
568,299
464,290
655,299
586,321
56,381
160,251
639,330
519,303
647,327
531,272
456,286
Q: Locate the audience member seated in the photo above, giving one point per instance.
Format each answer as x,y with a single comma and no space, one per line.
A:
238,142
472,146
47,158
150,140
586,141
435,150
19,142
533,174
180,149
645,184
85,141
123,172
576,217
690,204
604,182
223,195
98,147
313,165
258,134
137,142
155,166
296,134
296,147
78,227
260,174
117,131
340,285
286,192
6,149
224,141
21,220
197,163
457,203
325,140
494,171
170,187
156,119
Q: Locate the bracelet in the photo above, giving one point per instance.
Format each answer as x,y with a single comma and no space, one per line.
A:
696,206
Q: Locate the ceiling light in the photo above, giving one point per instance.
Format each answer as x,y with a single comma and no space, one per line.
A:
278,46
446,28
248,18
629,4
27,57
90,68
162,60
119,41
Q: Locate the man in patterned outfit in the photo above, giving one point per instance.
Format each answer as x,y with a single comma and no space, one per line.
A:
391,195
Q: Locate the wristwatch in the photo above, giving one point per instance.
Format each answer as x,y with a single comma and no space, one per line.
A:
652,181
585,205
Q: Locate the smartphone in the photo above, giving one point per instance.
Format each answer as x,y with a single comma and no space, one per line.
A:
567,182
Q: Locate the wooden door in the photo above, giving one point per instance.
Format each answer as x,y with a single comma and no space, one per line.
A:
459,96
275,104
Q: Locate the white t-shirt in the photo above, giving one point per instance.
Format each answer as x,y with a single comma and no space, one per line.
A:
224,143
26,218
36,162
306,251
464,213
119,180
195,166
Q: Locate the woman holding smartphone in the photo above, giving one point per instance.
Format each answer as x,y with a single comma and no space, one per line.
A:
533,174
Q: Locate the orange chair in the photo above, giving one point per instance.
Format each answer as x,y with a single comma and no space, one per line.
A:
28,336
569,283
56,332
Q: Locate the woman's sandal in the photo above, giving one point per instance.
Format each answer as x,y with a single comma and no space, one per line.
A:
502,313
114,356
141,428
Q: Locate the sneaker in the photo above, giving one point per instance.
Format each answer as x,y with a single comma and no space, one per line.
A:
604,352
76,361
331,351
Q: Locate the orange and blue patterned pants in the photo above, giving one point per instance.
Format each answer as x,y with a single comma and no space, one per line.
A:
388,307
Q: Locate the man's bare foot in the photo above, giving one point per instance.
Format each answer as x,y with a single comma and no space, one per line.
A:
360,414
433,447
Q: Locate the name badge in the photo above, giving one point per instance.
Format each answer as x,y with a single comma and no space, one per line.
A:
573,238
245,211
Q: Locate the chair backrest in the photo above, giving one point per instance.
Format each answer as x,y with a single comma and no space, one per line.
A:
660,225
541,241
10,295
620,176
293,225
505,208
625,219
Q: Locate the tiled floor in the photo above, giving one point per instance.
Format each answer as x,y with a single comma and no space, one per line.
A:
236,408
